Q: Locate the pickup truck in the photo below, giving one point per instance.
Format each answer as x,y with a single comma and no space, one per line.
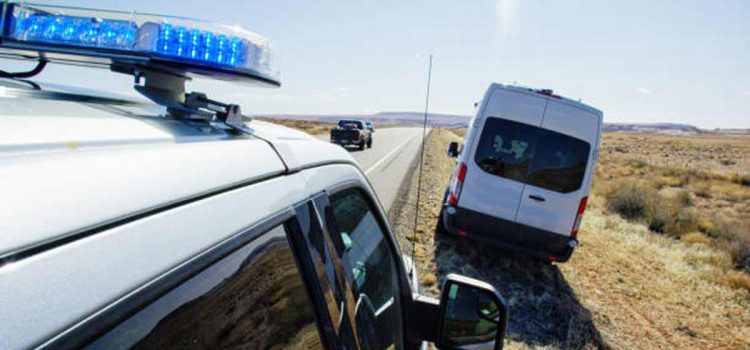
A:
352,133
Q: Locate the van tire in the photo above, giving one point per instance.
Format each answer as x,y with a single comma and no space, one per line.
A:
369,143
362,145
440,229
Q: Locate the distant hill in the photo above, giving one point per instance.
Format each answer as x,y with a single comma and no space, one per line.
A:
393,118
661,128
459,121
669,128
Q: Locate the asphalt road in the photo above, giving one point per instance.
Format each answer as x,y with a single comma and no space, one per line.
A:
386,164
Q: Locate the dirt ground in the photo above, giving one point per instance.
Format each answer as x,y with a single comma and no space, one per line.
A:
624,288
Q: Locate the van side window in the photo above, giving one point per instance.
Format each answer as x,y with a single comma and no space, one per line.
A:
505,148
559,162
254,298
371,269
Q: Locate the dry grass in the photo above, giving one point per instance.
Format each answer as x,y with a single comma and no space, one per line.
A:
652,291
460,132
737,279
733,236
625,287
695,238
683,184
639,201
308,126
721,153
437,171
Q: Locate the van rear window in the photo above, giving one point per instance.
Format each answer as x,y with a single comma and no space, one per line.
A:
559,162
505,148
532,155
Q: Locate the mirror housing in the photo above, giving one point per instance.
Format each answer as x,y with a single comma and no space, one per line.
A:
472,315
453,150
430,319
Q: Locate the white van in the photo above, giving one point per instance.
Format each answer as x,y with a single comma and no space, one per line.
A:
524,173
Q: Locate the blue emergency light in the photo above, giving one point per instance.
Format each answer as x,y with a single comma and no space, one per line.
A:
139,41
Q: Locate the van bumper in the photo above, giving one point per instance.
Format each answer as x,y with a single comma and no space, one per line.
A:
510,235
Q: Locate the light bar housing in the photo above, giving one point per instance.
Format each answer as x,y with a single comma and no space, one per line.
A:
132,41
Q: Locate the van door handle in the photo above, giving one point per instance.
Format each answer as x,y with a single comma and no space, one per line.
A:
536,198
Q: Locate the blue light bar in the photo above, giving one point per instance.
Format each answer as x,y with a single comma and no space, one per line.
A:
200,46
194,46
71,30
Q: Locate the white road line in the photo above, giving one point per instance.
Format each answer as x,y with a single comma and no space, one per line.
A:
370,169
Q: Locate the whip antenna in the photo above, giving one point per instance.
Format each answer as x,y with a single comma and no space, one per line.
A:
421,160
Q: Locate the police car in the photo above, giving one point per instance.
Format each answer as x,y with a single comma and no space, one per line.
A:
184,224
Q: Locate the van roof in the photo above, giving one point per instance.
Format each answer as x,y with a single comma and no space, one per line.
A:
546,93
70,166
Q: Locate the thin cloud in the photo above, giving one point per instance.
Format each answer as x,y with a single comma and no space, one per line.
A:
507,13
643,91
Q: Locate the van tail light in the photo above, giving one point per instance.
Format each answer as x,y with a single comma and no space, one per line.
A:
579,216
457,184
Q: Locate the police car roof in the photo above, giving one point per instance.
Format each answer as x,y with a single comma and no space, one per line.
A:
69,166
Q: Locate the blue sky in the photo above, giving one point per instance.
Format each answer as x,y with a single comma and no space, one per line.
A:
637,60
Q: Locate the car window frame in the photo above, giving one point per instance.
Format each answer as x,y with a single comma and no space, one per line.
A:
379,215
333,326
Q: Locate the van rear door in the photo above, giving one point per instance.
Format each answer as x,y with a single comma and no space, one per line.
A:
559,175
500,154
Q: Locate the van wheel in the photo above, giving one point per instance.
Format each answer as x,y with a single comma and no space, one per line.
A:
362,145
369,144
440,229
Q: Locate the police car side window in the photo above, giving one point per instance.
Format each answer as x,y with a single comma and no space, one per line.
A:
253,298
371,269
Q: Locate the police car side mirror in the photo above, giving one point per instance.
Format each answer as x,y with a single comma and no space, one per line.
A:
473,315
453,150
